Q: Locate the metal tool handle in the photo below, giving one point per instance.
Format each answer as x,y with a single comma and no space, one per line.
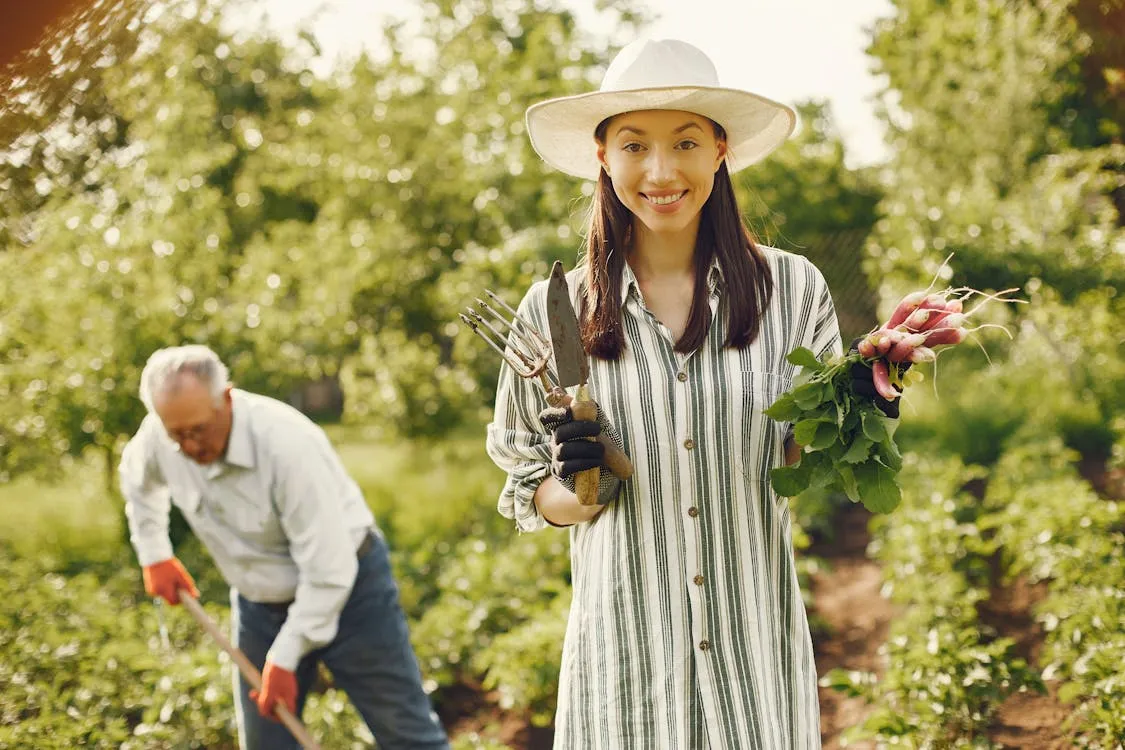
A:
249,671
586,482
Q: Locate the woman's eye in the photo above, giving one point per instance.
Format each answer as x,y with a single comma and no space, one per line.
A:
687,145
631,147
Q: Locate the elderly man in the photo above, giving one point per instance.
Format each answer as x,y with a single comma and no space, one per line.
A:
263,489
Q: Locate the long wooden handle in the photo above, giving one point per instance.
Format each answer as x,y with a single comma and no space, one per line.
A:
586,482
249,671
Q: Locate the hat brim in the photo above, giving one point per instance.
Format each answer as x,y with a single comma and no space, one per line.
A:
562,130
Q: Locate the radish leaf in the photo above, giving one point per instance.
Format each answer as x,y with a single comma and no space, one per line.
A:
825,436
785,409
858,451
811,394
803,357
878,489
873,426
790,481
804,432
848,482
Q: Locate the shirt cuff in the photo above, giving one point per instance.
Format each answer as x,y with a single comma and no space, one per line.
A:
152,551
286,651
521,488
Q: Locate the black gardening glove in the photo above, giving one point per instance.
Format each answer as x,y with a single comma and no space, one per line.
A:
864,385
571,452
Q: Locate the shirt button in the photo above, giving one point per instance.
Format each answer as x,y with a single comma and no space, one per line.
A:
689,444
681,376
693,511
704,644
698,580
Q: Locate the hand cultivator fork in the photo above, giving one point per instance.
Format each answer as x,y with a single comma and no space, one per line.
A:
526,350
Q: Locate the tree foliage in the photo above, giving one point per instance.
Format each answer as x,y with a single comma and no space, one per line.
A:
203,184
989,161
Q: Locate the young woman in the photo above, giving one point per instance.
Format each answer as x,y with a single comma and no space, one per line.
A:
687,628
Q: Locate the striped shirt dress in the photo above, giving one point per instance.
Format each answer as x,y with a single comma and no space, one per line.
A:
687,628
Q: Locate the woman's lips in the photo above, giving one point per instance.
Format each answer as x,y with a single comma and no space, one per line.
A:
666,203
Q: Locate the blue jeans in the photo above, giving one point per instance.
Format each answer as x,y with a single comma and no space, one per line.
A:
371,659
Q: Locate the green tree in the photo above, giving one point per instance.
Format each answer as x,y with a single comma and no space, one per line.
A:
302,227
443,131
989,162
148,247
805,199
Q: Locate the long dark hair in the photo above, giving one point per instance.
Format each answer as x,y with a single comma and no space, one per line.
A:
722,234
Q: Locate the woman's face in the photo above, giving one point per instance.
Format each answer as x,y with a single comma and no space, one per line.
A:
662,164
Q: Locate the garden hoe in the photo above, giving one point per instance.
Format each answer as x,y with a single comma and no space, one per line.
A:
249,671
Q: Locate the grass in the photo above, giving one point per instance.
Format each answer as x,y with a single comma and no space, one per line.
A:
72,516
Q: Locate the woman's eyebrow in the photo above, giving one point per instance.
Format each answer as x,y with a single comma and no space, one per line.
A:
638,131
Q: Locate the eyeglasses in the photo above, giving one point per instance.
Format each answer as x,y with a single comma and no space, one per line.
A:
195,433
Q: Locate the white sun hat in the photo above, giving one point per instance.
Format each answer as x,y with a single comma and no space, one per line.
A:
657,74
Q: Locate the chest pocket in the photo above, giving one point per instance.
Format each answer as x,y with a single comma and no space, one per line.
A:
760,438
237,514
190,502
249,513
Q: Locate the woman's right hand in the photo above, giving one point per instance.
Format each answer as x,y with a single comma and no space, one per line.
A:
574,449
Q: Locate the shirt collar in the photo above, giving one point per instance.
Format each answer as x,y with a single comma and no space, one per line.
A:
716,281
240,446
629,283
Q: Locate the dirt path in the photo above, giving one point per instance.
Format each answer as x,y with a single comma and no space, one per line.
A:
1025,720
846,598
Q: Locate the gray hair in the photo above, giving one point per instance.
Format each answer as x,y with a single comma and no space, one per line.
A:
166,365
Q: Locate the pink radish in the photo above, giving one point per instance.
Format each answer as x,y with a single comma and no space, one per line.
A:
922,354
934,321
936,318
933,310
945,337
884,340
917,320
881,378
955,320
933,302
907,305
900,352
866,348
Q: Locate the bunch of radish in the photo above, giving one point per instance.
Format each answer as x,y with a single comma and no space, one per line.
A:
922,323
847,442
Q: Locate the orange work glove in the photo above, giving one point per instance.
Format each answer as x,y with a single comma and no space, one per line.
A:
278,686
166,578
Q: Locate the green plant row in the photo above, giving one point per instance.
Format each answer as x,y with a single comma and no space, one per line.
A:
946,673
1048,524
82,664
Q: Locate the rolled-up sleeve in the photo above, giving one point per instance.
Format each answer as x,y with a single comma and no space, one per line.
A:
147,500
311,509
516,440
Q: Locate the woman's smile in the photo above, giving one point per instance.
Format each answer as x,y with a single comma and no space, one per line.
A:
665,202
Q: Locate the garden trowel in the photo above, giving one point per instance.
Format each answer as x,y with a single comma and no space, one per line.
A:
572,369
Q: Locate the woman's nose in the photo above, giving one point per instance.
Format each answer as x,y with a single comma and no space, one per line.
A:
660,166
